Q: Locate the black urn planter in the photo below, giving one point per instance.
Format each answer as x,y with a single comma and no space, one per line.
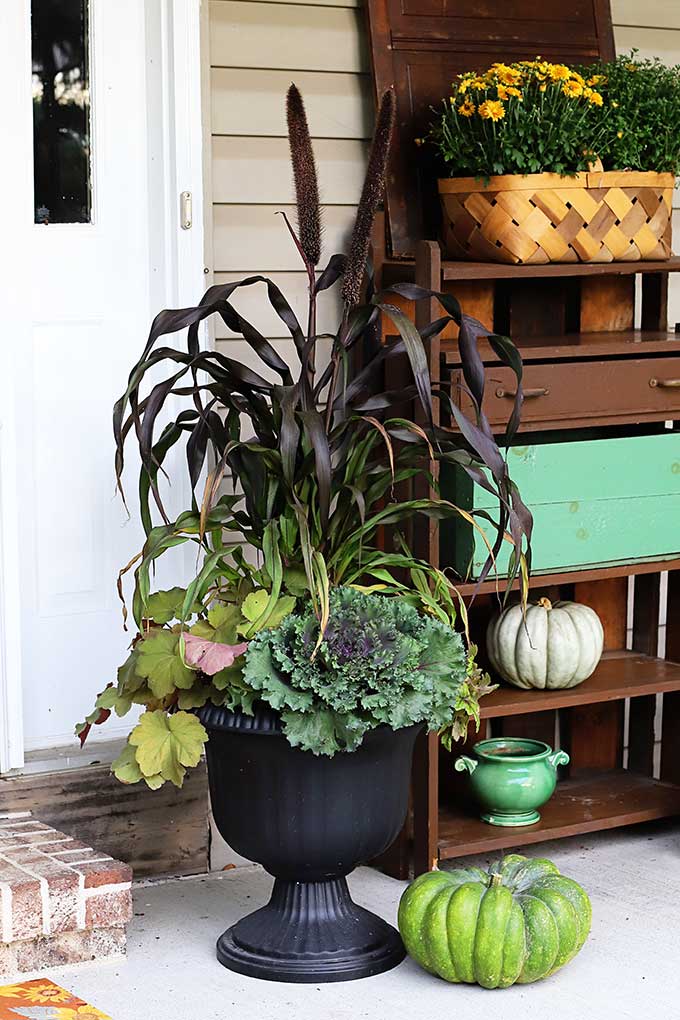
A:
309,820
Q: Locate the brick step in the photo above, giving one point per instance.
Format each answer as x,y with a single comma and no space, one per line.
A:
61,901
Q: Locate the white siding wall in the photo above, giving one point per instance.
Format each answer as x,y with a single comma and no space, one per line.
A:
256,50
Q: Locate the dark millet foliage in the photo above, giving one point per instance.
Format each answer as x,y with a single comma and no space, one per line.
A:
371,196
304,176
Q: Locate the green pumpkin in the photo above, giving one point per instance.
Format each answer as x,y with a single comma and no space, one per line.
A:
518,922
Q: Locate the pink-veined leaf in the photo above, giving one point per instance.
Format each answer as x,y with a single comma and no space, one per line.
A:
210,656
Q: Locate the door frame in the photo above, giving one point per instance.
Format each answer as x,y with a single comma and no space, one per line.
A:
174,59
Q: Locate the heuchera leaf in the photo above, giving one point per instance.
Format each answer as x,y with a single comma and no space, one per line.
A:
164,606
160,663
167,744
126,769
210,656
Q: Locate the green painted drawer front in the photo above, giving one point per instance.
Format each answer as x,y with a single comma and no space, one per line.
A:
598,501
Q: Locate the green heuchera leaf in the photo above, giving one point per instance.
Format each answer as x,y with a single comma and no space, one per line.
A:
380,662
167,744
128,679
160,663
126,769
164,606
112,699
255,603
225,620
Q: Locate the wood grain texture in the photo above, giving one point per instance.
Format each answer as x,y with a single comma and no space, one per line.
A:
278,36
609,599
603,800
257,170
250,101
606,303
593,735
619,675
156,832
560,395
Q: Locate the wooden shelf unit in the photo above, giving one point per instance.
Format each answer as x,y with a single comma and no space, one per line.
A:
589,368
499,271
620,674
588,803
597,792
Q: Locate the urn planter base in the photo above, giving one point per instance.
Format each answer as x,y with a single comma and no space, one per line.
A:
310,932
309,820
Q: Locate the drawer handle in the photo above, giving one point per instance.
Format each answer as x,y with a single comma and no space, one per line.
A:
540,391
669,384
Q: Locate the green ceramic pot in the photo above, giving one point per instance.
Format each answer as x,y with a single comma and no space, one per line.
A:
512,777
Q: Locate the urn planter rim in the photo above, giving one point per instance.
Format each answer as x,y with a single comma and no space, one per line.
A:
536,750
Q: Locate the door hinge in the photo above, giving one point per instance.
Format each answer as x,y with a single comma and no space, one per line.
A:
185,210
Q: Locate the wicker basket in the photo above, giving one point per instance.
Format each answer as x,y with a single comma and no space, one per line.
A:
593,217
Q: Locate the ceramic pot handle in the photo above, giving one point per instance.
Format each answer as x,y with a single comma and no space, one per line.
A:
558,758
464,763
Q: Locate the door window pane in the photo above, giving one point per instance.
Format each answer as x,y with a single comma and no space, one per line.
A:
61,111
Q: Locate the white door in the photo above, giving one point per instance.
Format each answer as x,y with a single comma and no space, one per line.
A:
95,247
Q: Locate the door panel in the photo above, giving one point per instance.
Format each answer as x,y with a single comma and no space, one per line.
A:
82,323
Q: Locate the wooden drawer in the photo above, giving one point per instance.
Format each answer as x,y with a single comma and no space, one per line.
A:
594,502
587,392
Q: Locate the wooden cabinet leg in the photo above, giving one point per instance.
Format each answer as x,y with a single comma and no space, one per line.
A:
426,803
645,640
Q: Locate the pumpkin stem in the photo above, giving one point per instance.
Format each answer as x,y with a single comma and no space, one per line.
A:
546,603
496,880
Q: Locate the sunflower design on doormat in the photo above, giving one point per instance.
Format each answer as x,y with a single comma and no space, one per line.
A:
43,1000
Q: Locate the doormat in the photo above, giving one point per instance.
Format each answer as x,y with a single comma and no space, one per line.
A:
43,1000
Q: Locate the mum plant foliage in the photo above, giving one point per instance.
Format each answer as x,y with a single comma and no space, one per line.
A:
642,106
523,118
378,661
310,462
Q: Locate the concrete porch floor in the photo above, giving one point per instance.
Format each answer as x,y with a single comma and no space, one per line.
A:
630,967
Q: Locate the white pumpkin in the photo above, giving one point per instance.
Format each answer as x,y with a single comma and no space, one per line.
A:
559,647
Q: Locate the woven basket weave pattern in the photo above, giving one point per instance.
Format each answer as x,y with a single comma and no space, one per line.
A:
595,217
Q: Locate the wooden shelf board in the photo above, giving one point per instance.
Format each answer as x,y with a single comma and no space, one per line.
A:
632,343
620,674
599,800
577,575
499,271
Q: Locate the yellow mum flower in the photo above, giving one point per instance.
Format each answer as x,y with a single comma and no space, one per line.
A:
595,80
491,110
508,91
572,88
464,85
478,83
595,98
467,108
510,76
542,88
619,134
558,72
614,103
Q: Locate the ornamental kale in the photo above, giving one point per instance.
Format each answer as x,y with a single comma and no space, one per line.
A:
379,662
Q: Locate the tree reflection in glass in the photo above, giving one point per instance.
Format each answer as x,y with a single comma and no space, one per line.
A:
61,111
